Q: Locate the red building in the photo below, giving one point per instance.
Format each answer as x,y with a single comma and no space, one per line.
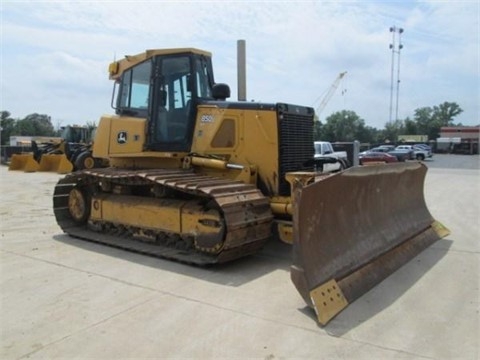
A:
459,139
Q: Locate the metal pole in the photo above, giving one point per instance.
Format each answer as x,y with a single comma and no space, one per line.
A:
400,46
392,46
1,152
241,71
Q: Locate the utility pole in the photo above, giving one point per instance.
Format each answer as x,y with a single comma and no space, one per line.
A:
395,50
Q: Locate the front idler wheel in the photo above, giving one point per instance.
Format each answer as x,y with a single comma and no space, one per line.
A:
78,205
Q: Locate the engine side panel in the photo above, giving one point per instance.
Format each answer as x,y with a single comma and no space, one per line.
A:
275,138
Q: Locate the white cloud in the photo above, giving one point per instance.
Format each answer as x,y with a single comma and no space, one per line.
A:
294,51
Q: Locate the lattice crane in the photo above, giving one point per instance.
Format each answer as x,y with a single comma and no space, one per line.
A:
330,93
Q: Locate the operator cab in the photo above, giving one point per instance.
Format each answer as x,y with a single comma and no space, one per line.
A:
165,89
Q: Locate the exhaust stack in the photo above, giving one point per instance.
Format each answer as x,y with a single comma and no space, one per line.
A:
241,71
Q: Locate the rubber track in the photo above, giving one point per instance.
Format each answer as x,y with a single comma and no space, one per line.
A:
246,212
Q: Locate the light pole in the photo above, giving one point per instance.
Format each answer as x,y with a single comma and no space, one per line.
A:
400,46
394,30
1,152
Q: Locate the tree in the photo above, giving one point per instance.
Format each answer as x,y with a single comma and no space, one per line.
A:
34,125
392,130
318,130
346,125
7,124
410,127
423,119
430,120
444,113
91,125
371,135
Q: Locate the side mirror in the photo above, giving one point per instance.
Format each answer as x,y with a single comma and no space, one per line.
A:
220,91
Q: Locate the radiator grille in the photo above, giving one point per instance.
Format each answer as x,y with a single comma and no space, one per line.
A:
295,134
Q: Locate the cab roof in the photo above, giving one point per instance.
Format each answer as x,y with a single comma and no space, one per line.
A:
116,68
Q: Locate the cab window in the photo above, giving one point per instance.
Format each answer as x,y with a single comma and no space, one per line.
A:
135,87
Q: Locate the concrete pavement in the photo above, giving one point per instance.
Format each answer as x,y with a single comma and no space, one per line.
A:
65,298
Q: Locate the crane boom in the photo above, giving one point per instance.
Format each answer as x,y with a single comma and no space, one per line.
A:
330,92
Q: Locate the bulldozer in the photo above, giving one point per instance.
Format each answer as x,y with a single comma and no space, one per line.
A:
199,179
72,151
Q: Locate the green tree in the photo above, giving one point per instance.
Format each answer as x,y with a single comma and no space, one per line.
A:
91,125
410,127
392,130
7,123
346,125
318,130
430,120
424,120
34,125
445,113
371,135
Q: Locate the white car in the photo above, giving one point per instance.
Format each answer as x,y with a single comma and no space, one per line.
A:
420,154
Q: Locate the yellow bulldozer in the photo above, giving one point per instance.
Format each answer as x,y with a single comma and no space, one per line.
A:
202,180
70,152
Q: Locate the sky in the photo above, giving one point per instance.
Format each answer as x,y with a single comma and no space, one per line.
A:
55,54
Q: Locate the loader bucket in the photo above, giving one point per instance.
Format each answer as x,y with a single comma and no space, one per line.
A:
55,163
23,162
355,228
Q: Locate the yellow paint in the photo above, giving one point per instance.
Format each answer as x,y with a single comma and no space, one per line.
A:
23,162
56,163
328,301
285,231
258,126
169,215
130,153
117,68
441,230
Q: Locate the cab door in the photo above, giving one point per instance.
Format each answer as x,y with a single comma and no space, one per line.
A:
170,120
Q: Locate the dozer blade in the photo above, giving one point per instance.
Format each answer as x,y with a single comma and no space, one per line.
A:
23,162
355,228
55,163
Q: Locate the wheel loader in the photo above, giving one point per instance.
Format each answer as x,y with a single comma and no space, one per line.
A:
72,151
202,180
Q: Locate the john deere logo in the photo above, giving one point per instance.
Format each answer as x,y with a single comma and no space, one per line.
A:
122,137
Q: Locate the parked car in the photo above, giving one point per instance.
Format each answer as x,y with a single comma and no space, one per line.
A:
423,146
328,160
383,149
419,153
372,157
400,154
387,147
